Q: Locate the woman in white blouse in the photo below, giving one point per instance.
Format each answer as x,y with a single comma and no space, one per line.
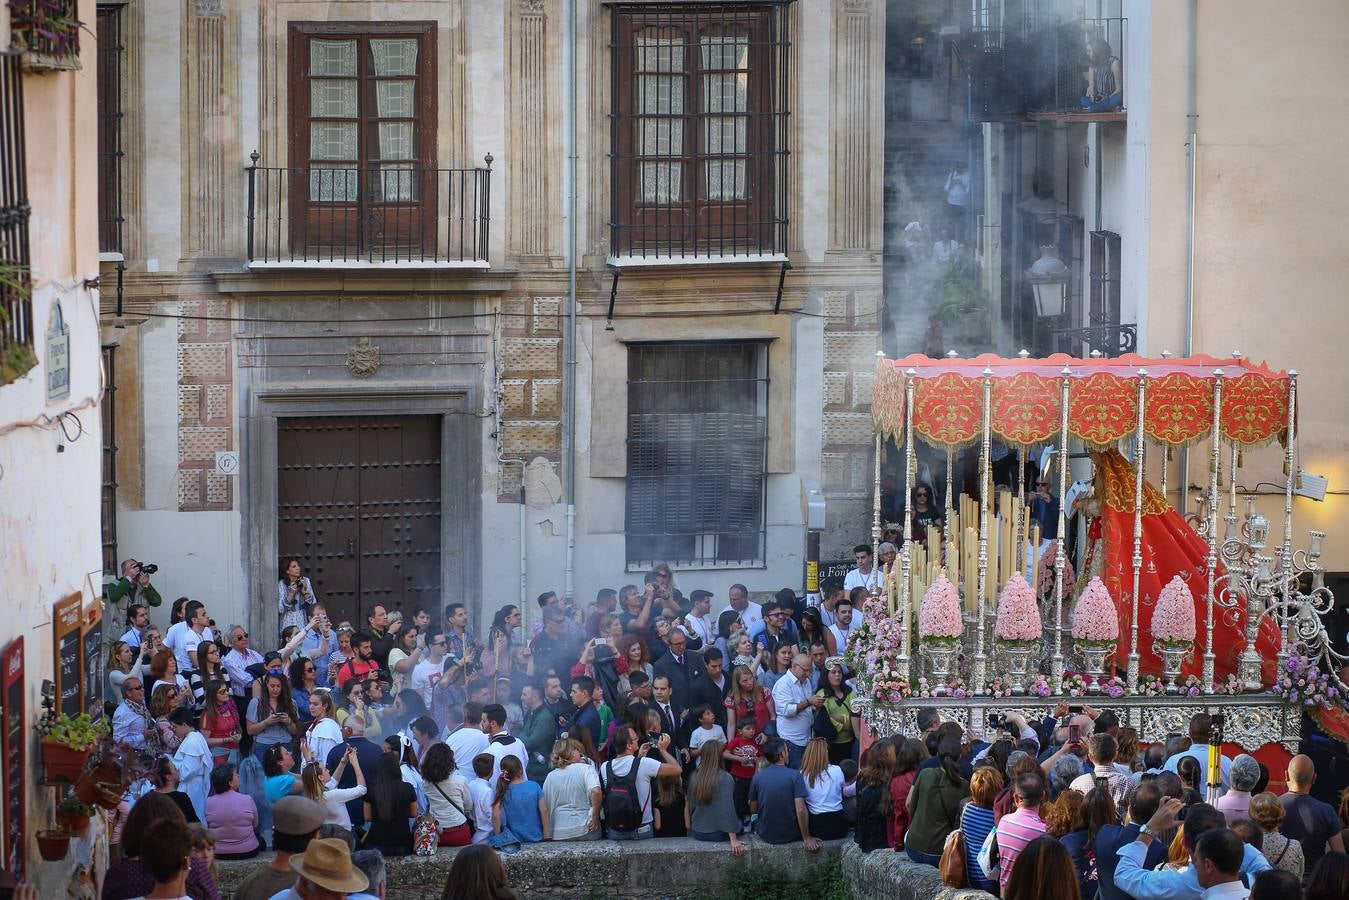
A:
572,792
321,787
295,596
447,796
324,733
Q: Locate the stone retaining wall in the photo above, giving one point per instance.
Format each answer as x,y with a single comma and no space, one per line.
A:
670,867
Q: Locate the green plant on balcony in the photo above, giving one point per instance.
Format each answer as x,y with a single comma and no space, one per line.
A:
16,358
961,303
47,30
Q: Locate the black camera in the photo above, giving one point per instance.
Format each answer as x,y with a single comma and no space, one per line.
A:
149,568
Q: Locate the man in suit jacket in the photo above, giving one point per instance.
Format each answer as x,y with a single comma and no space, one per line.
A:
711,687
680,667
367,751
1142,806
671,715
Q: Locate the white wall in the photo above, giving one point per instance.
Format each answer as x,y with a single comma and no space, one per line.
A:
198,556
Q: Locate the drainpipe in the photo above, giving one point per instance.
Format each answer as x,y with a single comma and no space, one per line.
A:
1191,153
569,370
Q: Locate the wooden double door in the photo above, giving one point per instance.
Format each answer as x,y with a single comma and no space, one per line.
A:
358,503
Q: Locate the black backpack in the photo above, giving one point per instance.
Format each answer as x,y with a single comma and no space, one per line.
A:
622,812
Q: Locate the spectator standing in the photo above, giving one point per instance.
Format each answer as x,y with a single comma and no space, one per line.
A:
362,662
1097,811
1044,870
467,739
864,574
383,633
671,714
1174,884
184,637
824,792
572,793
712,686
231,817
707,730
908,752
743,753
133,585
237,662
405,656
295,596
272,718
323,733
448,798
778,795
796,707
838,708
747,700
678,666
1236,803
537,734
370,863
162,705
629,771
586,717
1312,823
1282,852
1101,751
295,822
368,754
779,664
1201,733
934,804
390,806
1217,864
846,621
976,821
125,661
166,850
193,760
304,680
500,742
711,801
1023,825
1142,806
481,792
1330,879
873,796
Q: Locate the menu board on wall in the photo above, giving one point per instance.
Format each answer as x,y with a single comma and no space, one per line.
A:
13,731
95,661
67,618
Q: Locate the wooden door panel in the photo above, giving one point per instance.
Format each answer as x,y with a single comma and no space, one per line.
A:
317,506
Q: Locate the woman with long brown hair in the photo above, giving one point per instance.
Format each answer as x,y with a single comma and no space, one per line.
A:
1098,810
748,698
934,804
209,668
477,874
873,795
162,705
908,754
824,791
221,724
1042,871
711,800
272,718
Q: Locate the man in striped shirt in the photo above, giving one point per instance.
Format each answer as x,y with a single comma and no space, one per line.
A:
1023,825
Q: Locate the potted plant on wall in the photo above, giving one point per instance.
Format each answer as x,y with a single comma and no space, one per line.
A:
67,742
110,770
53,845
48,31
73,815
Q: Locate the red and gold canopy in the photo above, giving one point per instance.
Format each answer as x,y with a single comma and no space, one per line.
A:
1102,399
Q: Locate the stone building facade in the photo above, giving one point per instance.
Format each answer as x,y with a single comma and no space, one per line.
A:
403,424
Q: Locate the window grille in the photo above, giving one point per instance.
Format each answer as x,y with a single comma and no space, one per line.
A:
16,311
699,129
697,453
1105,286
109,504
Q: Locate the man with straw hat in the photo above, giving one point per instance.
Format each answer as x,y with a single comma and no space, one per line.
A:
324,872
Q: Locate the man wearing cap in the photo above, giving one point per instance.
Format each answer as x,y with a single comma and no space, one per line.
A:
324,872
295,822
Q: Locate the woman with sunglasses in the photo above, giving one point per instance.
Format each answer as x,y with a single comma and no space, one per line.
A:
209,668
272,719
162,705
303,682
221,724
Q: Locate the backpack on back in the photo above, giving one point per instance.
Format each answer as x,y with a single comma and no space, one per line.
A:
622,812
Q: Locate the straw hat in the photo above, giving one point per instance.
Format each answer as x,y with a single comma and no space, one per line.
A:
327,863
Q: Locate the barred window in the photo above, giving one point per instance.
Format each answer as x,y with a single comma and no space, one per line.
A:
697,453
111,53
699,131
16,311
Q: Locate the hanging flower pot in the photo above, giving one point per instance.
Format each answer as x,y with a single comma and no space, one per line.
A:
61,762
98,793
73,815
53,845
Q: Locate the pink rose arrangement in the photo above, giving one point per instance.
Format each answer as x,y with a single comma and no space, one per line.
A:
1173,617
1095,619
939,618
1018,622
873,652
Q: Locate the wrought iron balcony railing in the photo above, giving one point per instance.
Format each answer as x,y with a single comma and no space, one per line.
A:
1109,340
385,215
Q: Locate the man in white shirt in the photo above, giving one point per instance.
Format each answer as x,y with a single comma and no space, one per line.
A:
481,794
697,624
137,618
500,742
649,768
831,594
467,740
751,614
1217,863
846,621
791,699
237,661
184,637
865,574
427,673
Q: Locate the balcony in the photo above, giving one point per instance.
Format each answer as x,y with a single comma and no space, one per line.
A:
390,216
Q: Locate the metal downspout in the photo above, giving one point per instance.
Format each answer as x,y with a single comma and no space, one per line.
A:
569,370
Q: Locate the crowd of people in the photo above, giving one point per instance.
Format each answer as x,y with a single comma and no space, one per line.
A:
646,717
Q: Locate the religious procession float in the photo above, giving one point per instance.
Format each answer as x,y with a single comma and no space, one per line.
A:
1165,617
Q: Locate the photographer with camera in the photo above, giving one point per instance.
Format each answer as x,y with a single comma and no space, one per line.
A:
134,585
295,596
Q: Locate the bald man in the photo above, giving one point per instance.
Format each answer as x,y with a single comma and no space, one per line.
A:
1313,823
